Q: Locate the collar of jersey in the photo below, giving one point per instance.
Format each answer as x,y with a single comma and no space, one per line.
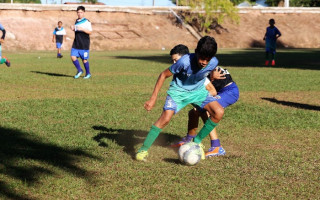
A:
83,20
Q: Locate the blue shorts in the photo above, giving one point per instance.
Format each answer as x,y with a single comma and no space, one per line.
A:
228,95
225,97
58,45
83,54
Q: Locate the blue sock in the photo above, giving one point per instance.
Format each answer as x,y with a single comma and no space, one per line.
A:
86,66
77,65
59,54
215,143
190,137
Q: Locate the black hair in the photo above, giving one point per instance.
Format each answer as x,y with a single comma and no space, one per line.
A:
207,47
81,8
179,49
272,21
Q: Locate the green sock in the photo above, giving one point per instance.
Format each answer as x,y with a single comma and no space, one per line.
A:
3,60
206,129
151,137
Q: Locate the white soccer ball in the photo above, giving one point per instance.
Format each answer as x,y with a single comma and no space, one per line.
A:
190,153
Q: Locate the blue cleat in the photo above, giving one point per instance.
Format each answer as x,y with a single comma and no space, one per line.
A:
87,76
78,75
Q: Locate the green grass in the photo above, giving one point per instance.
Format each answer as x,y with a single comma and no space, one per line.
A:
62,138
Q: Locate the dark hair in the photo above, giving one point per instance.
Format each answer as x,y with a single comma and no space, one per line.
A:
59,22
179,49
81,8
272,21
207,47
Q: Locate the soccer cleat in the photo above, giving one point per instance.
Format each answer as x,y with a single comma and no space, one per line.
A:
202,151
182,142
267,62
87,76
142,155
273,62
60,56
78,75
215,151
7,61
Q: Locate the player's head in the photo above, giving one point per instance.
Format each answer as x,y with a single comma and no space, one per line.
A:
206,49
178,51
271,22
59,24
80,11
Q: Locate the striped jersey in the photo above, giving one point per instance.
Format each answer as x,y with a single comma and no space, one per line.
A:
59,33
82,39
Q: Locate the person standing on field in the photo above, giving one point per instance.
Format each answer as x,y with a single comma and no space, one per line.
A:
81,44
271,36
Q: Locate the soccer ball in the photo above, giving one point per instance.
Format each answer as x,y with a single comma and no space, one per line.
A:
190,153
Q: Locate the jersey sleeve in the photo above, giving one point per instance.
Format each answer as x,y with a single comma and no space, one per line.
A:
54,32
1,27
89,27
178,66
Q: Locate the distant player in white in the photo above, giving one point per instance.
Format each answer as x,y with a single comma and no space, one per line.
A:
58,35
81,43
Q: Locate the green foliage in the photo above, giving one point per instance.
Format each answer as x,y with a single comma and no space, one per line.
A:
90,1
209,12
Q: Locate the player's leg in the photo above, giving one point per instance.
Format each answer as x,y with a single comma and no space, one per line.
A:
3,59
74,57
193,121
273,56
85,56
59,50
267,57
226,97
154,132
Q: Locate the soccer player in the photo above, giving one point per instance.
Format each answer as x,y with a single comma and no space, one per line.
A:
228,94
187,87
81,43
271,36
58,35
3,59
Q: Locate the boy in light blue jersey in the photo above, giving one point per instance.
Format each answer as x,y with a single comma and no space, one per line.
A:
187,87
271,36
58,36
3,59
81,43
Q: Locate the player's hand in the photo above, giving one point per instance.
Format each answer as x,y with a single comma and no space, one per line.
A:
216,75
72,27
148,105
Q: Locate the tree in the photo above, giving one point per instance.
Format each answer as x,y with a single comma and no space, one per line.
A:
209,12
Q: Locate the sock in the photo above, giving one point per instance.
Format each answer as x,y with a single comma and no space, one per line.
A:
59,54
189,137
215,143
3,60
151,137
86,66
77,65
206,129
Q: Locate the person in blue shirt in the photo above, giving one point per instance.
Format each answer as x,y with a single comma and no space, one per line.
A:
223,88
58,36
3,59
187,87
271,36
81,44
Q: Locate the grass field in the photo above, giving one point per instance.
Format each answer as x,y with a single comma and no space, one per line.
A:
62,138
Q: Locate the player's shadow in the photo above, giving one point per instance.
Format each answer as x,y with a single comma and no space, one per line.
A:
152,58
26,159
130,138
293,104
51,74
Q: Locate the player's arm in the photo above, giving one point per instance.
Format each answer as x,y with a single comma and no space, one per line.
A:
162,77
278,34
211,88
3,35
53,36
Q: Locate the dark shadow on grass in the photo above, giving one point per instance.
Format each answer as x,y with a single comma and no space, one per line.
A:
255,57
293,104
173,161
129,138
27,159
51,74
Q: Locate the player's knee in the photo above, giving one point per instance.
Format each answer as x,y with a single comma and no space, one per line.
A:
219,112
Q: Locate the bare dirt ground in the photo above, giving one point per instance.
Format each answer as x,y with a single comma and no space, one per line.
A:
32,30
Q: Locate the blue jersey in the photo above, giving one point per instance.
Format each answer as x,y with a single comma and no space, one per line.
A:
271,34
188,75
